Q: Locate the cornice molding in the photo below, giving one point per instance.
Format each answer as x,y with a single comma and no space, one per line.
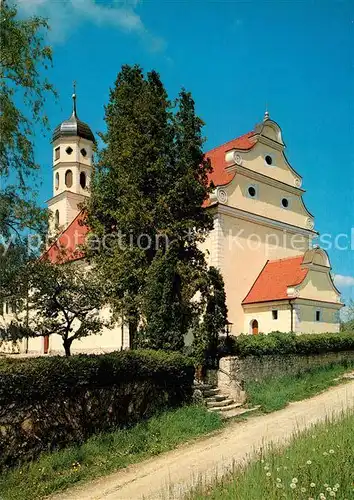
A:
258,176
269,142
66,194
264,221
295,301
68,164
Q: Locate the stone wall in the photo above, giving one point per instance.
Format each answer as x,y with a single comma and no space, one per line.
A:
234,369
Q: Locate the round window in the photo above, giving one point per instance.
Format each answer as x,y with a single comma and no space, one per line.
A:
285,203
268,160
68,178
83,180
252,191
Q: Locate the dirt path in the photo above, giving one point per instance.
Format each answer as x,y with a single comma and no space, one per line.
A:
172,473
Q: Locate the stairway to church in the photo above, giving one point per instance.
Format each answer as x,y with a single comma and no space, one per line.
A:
215,400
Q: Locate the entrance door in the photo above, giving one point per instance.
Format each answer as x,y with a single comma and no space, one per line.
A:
46,344
254,327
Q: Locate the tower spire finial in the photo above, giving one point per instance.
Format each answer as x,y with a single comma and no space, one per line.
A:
74,98
266,114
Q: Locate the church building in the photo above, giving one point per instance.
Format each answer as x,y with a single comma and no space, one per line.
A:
262,241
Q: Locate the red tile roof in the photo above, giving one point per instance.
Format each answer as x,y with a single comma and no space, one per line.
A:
67,247
275,278
220,176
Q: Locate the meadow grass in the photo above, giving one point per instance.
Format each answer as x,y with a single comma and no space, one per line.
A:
273,393
105,453
317,464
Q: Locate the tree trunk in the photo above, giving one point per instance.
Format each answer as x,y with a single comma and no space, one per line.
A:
133,327
67,345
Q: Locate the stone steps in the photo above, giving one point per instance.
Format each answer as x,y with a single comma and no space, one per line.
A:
237,412
219,404
211,392
216,397
224,408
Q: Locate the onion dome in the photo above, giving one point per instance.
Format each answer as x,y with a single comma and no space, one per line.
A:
73,126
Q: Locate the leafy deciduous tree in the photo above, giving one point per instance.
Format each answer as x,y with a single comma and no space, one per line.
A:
64,299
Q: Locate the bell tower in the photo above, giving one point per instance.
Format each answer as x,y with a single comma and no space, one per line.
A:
73,143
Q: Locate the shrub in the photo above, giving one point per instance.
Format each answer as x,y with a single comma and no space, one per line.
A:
47,403
278,343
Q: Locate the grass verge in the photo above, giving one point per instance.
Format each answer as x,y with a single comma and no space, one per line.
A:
318,464
274,393
106,453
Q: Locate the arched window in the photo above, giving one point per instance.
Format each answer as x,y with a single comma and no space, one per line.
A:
83,180
68,178
56,219
254,326
57,180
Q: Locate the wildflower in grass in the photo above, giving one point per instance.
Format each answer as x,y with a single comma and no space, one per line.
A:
336,486
303,490
278,480
326,485
322,496
309,462
328,488
266,467
332,494
278,469
331,452
268,474
294,480
312,485
292,486
279,485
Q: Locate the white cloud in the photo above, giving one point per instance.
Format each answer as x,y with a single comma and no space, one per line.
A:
343,281
65,15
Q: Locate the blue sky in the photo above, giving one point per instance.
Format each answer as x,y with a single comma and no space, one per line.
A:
234,56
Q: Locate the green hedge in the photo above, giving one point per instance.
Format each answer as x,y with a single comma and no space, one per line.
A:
278,343
50,402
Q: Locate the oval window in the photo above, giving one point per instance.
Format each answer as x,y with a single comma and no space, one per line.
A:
68,178
285,203
57,180
268,160
252,191
83,180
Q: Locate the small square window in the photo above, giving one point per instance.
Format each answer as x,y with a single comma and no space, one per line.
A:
57,153
275,314
69,150
318,315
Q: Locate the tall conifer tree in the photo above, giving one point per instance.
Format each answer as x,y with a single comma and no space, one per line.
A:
147,192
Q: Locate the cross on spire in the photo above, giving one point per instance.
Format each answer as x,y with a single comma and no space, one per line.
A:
74,98
266,114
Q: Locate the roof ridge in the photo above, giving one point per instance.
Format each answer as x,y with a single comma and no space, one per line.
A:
286,258
251,132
